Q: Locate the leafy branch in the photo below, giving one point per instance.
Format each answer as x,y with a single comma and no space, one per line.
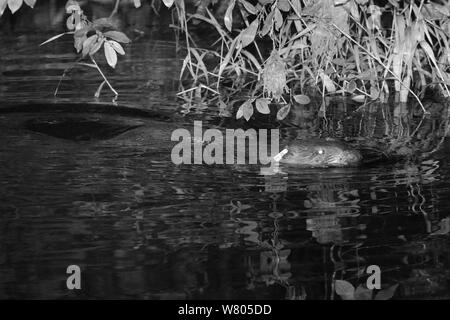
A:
89,38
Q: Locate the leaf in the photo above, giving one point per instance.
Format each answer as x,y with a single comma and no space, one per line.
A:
97,47
78,43
367,75
14,5
328,83
3,4
117,47
240,112
339,61
185,62
249,33
54,37
72,6
284,5
99,89
386,294
252,59
70,22
283,112
137,3
228,18
353,9
322,110
117,36
429,52
82,32
88,44
351,86
110,54
262,105
302,99
168,3
249,7
90,65
296,6
299,44
200,62
227,58
267,23
278,19
345,289
374,93
359,98
79,23
247,109
224,110
30,3
363,293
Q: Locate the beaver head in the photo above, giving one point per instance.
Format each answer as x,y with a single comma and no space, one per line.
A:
321,153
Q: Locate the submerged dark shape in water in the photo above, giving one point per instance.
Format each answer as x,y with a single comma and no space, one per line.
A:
79,128
321,153
82,121
83,107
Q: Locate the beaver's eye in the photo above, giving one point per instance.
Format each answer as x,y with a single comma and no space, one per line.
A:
320,151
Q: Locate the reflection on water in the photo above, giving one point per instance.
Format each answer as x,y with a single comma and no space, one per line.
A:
141,227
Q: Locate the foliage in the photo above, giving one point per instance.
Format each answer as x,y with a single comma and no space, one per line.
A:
336,46
286,50
14,5
90,37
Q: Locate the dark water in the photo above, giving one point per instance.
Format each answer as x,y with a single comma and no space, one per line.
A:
141,227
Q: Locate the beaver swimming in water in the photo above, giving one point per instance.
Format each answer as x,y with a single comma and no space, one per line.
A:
321,153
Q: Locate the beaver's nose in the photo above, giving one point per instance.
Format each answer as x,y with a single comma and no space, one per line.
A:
353,156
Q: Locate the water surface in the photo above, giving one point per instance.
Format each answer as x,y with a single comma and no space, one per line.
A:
141,227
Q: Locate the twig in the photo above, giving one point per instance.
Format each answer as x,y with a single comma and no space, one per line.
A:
106,80
116,8
64,74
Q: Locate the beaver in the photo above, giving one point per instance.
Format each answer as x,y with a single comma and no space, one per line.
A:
321,153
